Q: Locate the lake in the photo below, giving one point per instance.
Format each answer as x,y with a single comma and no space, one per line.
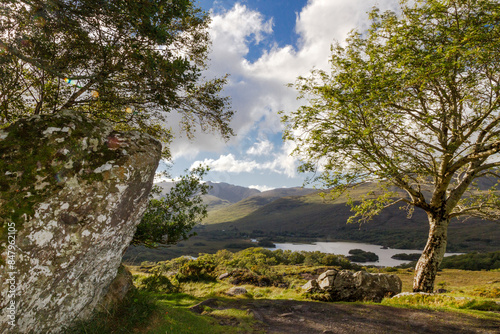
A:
343,248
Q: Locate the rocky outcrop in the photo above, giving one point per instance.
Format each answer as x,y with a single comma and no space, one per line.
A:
345,285
72,191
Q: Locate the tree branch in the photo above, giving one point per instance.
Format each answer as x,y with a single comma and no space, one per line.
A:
40,64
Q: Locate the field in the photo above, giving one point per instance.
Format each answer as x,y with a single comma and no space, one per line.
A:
169,295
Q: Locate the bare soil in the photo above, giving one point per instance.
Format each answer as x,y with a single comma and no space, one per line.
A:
303,317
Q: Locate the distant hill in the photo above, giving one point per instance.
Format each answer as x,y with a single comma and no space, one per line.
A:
221,195
229,192
251,204
311,217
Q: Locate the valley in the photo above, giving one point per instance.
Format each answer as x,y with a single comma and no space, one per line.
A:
238,214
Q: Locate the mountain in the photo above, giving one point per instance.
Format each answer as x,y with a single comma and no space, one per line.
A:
251,204
221,195
311,217
229,192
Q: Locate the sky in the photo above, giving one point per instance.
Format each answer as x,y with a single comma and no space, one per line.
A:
264,45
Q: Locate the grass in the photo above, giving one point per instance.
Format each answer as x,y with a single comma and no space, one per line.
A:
482,308
459,281
474,293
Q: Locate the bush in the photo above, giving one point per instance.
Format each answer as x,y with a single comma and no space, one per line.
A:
359,255
473,261
406,257
266,243
244,276
240,245
197,270
157,283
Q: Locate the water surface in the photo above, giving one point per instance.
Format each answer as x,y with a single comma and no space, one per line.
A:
343,248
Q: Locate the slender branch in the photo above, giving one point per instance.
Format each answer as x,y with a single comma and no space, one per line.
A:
40,64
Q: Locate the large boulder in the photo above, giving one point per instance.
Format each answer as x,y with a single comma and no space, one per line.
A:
345,285
72,191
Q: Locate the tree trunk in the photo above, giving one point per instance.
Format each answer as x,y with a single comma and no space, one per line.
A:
428,264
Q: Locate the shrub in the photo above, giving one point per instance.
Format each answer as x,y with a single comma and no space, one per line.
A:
196,270
359,255
157,283
406,257
473,261
266,243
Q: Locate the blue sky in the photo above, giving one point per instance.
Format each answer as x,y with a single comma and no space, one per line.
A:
263,46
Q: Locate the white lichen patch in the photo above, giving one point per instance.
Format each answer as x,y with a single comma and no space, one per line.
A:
42,185
105,167
41,238
72,182
101,218
39,184
53,224
86,233
3,134
121,188
44,206
50,130
65,206
93,144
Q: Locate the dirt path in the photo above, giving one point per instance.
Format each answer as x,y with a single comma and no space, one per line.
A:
294,317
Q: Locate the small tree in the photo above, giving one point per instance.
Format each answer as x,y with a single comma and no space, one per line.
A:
171,218
413,103
130,62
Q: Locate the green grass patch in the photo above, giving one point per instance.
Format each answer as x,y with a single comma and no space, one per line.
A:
136,312
484,308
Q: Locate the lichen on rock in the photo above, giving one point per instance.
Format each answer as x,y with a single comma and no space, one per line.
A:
73,190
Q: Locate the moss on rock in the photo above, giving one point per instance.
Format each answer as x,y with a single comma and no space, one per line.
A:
75,190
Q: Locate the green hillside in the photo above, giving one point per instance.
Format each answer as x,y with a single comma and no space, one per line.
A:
311,217
248,205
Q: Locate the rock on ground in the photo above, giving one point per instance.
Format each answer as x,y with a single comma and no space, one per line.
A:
345,285
236,290
72,191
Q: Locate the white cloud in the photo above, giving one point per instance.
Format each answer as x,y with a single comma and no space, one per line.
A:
281,163
261,148
261,188
228,163
258,89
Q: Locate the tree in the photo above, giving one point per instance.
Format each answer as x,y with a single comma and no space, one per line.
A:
412,103
169,219
130,62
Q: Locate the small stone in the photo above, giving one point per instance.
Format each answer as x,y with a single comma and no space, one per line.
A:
235,291
286,315
225,275
441,291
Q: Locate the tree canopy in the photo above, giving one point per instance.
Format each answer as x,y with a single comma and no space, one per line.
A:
170,218
414,102
130,62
